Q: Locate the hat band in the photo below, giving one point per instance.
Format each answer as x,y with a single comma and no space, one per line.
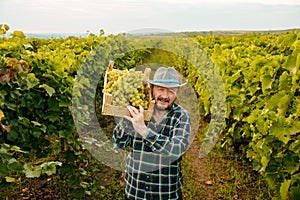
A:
166,81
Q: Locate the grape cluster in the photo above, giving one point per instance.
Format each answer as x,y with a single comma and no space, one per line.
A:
128,87
112,78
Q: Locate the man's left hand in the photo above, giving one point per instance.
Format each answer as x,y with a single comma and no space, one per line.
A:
137,119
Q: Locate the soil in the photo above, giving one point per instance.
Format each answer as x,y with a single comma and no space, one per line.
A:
221,176
201,172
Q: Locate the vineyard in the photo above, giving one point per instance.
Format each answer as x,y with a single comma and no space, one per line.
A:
51,96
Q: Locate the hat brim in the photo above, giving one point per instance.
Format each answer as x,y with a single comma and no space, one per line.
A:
166,85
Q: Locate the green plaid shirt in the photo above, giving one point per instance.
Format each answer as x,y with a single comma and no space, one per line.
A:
153,168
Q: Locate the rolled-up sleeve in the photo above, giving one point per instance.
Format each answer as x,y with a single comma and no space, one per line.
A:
123,134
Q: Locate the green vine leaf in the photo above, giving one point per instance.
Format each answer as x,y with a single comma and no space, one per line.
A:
31,171
49,90
10,179
284,188
278,130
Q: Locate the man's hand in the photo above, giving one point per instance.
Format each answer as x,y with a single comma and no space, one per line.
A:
137,119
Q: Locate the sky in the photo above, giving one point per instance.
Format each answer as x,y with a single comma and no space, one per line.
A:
116,16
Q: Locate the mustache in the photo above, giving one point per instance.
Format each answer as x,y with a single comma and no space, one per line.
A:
163,99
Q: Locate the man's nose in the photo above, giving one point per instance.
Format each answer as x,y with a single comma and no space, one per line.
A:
164,93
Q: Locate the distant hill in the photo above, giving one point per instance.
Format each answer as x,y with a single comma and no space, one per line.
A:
160,33
51,35
239,32
206,33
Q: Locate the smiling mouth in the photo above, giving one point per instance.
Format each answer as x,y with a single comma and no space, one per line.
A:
165,100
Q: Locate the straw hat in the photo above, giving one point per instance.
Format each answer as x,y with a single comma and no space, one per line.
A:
166,77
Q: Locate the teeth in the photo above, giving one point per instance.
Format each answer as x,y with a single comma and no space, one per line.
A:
163,100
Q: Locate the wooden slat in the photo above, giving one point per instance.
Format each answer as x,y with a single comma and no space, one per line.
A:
118,111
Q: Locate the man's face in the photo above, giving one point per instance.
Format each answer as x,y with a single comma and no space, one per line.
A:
164,97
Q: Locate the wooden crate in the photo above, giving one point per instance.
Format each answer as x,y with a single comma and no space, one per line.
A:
109,109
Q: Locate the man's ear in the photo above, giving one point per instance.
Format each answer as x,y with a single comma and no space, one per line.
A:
151,91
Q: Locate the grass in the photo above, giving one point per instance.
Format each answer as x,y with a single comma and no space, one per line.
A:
217,176
221,176
86,179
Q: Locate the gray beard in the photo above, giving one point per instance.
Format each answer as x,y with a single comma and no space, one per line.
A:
162,109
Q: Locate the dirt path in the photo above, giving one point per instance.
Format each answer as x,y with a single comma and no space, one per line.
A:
221,176
201,173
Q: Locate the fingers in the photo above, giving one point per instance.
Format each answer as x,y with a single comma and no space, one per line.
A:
137,119
141,108
132,110
135,113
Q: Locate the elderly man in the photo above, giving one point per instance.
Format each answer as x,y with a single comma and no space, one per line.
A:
153,168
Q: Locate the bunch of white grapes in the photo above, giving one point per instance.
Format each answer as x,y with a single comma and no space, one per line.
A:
112,79
128,87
